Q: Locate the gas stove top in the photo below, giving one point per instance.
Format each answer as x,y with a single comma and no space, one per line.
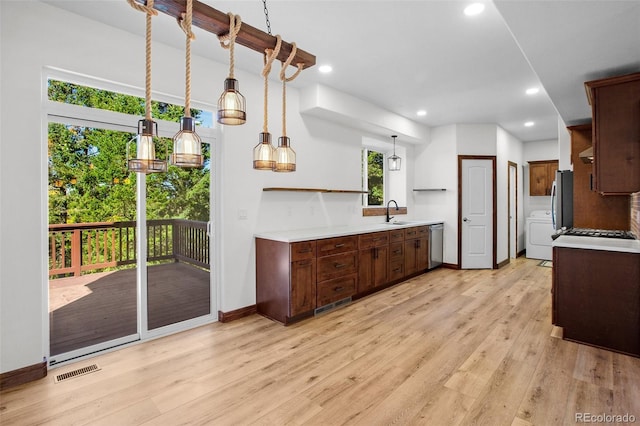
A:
606,233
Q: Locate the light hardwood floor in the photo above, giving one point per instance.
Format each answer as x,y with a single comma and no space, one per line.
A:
449,347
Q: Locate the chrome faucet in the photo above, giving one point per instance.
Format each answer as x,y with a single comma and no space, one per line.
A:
397,208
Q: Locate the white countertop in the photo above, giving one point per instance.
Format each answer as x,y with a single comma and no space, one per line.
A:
597,243
296,235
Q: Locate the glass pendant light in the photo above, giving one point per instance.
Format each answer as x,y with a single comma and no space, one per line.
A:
264,152
187,145
231,105
145,161
394,161
285,156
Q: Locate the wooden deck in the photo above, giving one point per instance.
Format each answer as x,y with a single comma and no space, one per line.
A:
99,307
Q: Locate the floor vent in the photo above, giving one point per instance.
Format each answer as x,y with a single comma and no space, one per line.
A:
332,306
75,373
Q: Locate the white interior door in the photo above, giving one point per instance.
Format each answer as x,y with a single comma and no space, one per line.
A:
477,214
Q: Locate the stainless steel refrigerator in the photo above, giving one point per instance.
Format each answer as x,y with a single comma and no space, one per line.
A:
562,200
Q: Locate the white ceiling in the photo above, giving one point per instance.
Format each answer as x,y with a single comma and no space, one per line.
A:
410,55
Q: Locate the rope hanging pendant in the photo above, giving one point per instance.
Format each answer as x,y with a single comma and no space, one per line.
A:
231,105
264,152
145,161
285,155
187,145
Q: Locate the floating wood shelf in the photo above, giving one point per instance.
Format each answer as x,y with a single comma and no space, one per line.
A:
342,191
216,22
430,189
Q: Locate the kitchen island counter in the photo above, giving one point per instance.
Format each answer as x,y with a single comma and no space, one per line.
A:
597,243
297,235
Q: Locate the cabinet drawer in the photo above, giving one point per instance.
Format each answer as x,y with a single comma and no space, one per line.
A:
337,265
396,251
396,269
416,232
396,235
337,245
303,250
336,289
376,239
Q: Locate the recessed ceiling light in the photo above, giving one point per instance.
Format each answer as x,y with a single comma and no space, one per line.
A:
474,9
529,123
421,113
325,69
532,91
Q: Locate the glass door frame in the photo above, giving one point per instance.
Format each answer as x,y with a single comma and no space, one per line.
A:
77,115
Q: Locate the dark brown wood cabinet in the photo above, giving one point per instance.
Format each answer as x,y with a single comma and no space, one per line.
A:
373,261
294,280
541,177
615,104
396,255
591,209
596,297
303,278
416,249
337,274
287,285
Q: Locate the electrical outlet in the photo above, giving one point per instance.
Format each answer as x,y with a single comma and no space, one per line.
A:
242,214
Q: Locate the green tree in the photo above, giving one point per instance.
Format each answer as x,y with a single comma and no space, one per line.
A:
88,178
375,179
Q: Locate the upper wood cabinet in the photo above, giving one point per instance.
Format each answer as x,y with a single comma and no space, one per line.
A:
590,209
541,176
615,104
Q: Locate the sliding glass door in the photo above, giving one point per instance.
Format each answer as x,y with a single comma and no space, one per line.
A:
129,254
178,250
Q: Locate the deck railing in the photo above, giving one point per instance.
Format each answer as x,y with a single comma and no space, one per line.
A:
81,247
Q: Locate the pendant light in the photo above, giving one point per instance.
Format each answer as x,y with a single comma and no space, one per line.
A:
285,155
231,105
264,152
187,145
145,161
394,160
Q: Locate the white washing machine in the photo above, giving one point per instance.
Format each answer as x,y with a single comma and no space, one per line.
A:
538,234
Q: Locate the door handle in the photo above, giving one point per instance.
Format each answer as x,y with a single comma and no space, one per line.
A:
464,219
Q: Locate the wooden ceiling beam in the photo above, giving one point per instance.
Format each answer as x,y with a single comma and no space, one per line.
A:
216,22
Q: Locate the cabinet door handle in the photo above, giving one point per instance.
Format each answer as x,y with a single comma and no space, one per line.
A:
307,250
397,252
375,253
339,265
305,263
339,245
336,289
397,269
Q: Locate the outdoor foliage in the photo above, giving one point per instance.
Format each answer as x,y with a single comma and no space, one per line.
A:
88,177
375,178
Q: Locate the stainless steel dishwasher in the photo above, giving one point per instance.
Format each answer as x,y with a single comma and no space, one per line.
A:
435,245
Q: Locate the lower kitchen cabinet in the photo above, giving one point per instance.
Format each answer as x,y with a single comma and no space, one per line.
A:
293,280
416,250
303,287
596,297
373,261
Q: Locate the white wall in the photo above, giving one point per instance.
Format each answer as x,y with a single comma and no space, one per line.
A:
436,166
509,149
35,35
